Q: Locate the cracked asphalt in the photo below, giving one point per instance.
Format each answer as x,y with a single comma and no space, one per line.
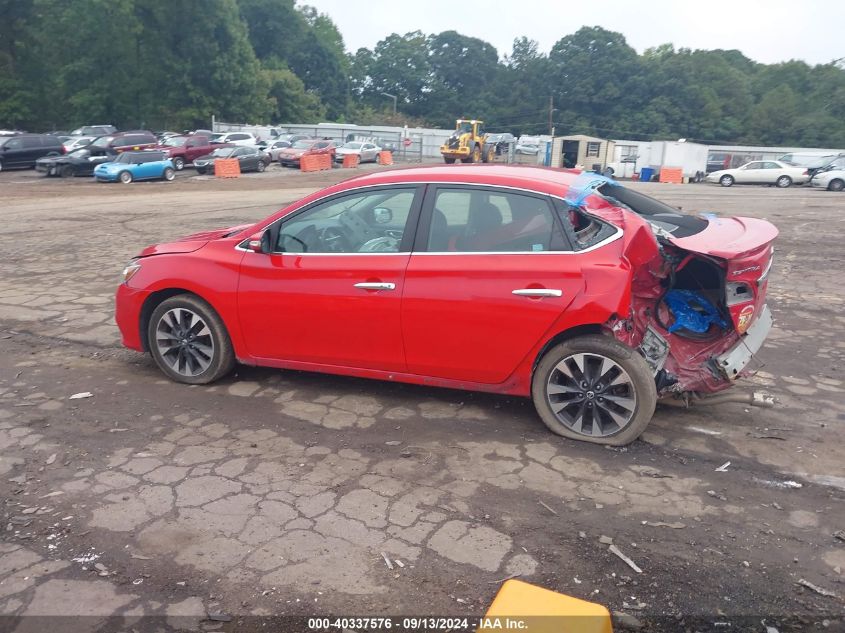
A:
156,506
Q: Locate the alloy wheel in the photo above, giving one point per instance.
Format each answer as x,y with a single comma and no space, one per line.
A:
591,394
184,341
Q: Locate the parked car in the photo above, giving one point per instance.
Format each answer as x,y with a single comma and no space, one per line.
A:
125,141
183,150
250,159
235,138
94,130
812,161
830,179
289,157
598,298
75,142
501,141
22,150
761,172
529,146
272,148
78,162
130,166
367,152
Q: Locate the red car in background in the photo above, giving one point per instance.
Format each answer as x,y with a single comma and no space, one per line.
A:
590,298
290,156
183,149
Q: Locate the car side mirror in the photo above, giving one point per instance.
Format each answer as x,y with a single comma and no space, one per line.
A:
261,243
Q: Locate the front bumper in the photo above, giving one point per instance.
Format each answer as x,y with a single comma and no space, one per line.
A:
732,362
127,314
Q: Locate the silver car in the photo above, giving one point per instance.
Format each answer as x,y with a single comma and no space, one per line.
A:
272,149
367,151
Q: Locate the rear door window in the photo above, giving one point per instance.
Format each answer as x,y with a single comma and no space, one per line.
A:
476,220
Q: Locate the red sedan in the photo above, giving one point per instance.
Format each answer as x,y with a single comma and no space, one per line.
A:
290,156
590,298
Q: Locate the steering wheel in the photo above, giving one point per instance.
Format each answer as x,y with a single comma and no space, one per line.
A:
384,244
334,240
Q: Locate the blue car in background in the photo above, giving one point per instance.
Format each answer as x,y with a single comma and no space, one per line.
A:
130,166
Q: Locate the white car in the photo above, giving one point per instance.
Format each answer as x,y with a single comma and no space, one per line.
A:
833,180
761,172
273,148
246,139
367,151
77,141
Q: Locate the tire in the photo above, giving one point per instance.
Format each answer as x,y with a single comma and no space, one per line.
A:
260,166
836,185
125,177
201,171
179,163
169,174
488,154
726,181
1,165
783,182
206,354
66,171
619,421
449,161
475,154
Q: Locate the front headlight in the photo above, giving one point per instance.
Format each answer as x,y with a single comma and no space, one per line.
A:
131,268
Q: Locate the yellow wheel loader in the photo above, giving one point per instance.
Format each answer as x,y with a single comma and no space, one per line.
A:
468,144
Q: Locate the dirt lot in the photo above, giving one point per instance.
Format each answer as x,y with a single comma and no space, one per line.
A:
276,493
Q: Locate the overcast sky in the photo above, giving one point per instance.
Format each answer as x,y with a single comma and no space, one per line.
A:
765,30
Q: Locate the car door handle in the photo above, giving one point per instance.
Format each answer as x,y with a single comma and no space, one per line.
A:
375,285
538,292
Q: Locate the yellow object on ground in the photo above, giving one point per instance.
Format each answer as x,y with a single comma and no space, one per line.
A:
520,606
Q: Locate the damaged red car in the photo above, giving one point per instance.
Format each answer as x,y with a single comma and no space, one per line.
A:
590,298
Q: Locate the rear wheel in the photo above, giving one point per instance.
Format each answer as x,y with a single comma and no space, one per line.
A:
726,181
125,177
783,182
189,342
179,163
489,154
596,389
836,185
168,174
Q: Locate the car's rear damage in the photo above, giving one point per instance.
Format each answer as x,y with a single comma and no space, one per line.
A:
696,310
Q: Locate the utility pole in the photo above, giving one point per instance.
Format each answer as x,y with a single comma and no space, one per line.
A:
394,100
551,109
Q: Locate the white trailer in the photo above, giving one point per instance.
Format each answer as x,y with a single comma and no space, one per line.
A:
690,157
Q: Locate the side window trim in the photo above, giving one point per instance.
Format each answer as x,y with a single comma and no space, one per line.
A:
424,228
411,225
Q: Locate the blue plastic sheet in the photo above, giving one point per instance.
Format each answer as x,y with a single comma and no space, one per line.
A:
584,185
692,311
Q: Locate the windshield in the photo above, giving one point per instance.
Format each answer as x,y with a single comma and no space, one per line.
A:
223,152
303,145
175,141
465,127
352,145
102,141
657,213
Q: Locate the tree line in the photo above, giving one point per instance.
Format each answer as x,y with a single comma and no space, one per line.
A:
171,65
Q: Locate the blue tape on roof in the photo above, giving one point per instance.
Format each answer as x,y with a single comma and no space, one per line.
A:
692,311
584,185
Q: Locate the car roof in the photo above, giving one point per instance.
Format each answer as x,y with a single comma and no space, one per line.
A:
547,180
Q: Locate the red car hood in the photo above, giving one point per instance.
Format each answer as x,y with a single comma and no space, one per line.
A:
729,238
191,243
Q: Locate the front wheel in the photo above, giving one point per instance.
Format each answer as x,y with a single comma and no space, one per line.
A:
188,341
125,177
201,171
168,174
66,171
179,163
726,181
596,389
836,185
449,161
261,166
783,182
